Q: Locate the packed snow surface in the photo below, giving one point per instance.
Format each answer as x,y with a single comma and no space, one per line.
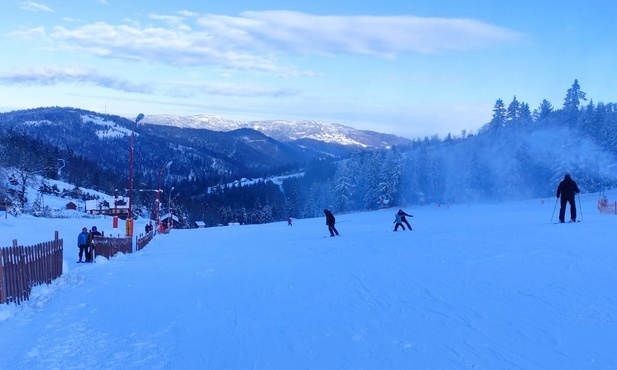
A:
493,286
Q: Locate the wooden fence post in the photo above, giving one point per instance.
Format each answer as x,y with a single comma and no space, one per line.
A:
24,267
2,280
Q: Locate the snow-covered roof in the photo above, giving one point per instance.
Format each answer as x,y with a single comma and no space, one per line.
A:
173,217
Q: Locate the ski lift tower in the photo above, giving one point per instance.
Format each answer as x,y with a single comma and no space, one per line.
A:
157,206
129,217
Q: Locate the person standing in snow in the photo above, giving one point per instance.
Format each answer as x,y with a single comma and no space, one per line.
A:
91,251
398,221
403,219
330,220
567,189
82,243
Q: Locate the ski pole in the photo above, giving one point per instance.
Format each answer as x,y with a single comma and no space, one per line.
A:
580,205
554,207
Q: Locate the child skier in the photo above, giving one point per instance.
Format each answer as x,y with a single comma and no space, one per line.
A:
398,220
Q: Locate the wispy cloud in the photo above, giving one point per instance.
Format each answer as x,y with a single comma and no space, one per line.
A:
260,40
175,46
32,6
73,20
30,34
180,89
173,21
188,13
46,76
53,75
372,35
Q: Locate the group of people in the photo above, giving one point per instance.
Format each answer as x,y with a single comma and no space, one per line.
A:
85,243
399,221
566,191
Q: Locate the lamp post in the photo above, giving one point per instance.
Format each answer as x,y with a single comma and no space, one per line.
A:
157,206
170,222
129,217
59,171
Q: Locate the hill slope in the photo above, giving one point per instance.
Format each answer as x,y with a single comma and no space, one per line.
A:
474,286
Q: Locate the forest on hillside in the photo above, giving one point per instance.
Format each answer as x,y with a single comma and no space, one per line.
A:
519,154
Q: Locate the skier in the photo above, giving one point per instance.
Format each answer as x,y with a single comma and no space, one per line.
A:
403,219
82,243
398,220
330,220
567,189
91,250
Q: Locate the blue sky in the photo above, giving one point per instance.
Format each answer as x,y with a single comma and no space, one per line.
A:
412,68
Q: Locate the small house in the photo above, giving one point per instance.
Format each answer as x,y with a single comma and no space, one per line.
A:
170,219
103,207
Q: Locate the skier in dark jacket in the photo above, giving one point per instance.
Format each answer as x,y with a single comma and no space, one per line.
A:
330,220
567,190
403,219
91,250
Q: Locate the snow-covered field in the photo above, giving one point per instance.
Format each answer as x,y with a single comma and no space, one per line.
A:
474,286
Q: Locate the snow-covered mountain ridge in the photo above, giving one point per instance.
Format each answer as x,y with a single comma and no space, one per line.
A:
284,130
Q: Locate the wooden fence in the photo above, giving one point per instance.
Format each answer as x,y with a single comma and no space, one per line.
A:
109,247
142,241
23,267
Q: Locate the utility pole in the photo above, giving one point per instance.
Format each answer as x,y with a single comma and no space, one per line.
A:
129,217
157,206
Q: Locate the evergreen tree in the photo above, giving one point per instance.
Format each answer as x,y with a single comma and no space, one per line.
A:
573,98
390,176
499,115
266,213
421,170
371,166
513,112
477,183
591,120
608,128
525,116
435,178
293,198
343,188
543,111
241,215
571,104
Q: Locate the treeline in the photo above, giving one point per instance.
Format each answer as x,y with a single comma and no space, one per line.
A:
24,160
519,154
264,201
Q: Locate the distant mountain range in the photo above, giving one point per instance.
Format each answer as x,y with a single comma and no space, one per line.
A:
286,131
205,146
